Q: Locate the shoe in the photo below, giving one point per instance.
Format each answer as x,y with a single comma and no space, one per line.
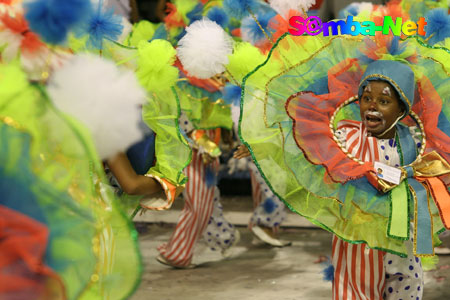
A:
264,236
164,261
442,250
229,251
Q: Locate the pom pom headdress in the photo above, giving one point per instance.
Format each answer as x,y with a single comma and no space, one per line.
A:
203,50
232,94
195,14
256,33
155,70
142,31
438,25
184,7
102,24
244,52
280,24
386,47
239,8
17,37
53,19
177,13
252,56
173,18
218,15
104,98
19,42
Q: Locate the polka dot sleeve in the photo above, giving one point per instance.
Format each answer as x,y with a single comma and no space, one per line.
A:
185,124
341,135
416,135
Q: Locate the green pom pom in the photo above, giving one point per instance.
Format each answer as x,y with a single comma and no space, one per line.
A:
155,70
142,31
429,262
245,58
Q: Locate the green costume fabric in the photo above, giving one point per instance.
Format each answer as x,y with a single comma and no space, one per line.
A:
204,109
173,154
92,246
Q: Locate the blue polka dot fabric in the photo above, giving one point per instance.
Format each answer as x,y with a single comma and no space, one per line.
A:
387,148
270,211
404,277
219,234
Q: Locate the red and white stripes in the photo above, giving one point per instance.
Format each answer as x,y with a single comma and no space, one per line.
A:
358,143
359,271
194,216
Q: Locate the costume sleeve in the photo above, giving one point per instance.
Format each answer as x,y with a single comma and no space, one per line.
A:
172,152
185,124
164,199
341,135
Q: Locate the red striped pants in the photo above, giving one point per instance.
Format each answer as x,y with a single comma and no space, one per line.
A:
362,273
195,215
358,271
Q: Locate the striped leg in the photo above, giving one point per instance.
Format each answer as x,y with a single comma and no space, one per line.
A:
358,271
194,217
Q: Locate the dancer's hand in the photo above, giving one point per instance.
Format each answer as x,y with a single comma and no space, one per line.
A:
241,152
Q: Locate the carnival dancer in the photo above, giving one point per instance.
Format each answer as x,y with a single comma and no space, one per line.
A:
325,166
201,193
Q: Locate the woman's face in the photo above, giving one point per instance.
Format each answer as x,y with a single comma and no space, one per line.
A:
379,108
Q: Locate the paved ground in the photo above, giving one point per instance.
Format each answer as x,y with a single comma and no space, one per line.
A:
254,271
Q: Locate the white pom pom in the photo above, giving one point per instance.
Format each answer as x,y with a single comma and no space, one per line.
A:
105,99
204,49
365,6
282,7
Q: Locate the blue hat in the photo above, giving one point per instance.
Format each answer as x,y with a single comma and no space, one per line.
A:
398,74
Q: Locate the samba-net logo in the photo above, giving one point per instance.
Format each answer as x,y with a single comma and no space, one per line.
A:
314,26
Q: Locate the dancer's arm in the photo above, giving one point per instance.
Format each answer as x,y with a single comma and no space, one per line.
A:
132,183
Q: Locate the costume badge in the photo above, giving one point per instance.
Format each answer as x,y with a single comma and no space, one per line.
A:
387,173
